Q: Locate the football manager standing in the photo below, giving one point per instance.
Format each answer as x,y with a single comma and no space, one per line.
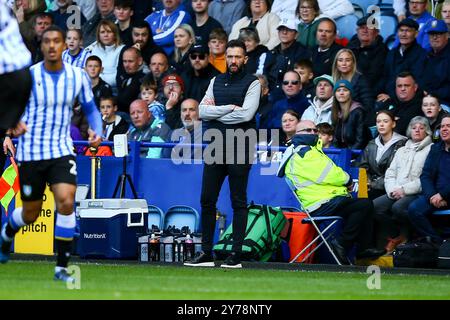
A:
229,107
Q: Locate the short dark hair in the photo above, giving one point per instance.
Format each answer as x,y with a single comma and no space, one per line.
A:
55,28
42,15
331,21
405,74
236,44
140,24
325,128
305,63
94,58
108,97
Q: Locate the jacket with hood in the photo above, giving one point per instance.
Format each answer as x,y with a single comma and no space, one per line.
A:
377,157
318,112
315,177
406,167
119,126
351,133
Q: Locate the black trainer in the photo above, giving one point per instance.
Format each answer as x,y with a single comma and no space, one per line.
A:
201,259
233,261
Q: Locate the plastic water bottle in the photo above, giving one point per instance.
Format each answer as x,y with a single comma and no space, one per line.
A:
189,243
154,248
168,249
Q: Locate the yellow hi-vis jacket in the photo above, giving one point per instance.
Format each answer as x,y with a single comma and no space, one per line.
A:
316,178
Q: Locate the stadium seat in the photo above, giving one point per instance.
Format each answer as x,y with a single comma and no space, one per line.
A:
359,12
364,4
388,25
181,216
346,26
155,217
324,233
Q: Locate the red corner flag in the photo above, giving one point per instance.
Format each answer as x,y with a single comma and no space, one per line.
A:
9,184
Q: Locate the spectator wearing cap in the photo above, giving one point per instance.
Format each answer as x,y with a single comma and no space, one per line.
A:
408,55
164,22
369,49
347,118
437,70
262,20
308,13
200,72
324,52
227,12
419,13
294,99
173,93
319,110
203,24
283,56
256,52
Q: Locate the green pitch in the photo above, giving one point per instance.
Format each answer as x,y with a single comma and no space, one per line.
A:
33,280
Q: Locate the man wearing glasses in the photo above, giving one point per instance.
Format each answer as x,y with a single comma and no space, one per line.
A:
323,188
197,78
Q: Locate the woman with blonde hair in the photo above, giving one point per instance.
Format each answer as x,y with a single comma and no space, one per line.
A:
108,48
184,40
344,67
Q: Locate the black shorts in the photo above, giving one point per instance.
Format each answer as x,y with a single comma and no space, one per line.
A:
34,175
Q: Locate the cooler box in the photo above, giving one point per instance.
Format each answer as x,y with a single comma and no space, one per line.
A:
109,227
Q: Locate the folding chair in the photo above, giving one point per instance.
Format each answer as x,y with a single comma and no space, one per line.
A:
320,238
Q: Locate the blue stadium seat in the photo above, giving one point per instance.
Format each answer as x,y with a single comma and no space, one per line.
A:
346,26
181,216
388,25
364,4
155,217
359,12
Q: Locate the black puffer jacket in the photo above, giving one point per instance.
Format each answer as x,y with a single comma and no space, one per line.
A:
351,133
254,59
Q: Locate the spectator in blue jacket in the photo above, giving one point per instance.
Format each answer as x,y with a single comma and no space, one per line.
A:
227,12
435,181
294,100
437,71
164,22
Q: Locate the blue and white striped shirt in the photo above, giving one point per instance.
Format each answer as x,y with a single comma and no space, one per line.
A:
49,111
14,55
77,61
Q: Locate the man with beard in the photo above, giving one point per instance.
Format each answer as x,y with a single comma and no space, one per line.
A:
229,105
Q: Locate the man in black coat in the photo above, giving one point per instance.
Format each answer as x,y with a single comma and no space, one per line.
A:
407,56
198,76
437,71
324,52
370,51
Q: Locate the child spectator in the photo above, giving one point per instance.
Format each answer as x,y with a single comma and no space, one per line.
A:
217,45
304,68
149,93
75,54
99,87
112,123
326,133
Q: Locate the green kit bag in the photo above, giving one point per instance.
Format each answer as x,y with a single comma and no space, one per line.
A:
262,236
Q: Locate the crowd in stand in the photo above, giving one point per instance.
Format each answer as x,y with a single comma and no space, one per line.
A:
151,62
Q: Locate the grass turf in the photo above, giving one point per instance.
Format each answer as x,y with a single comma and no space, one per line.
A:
33,280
